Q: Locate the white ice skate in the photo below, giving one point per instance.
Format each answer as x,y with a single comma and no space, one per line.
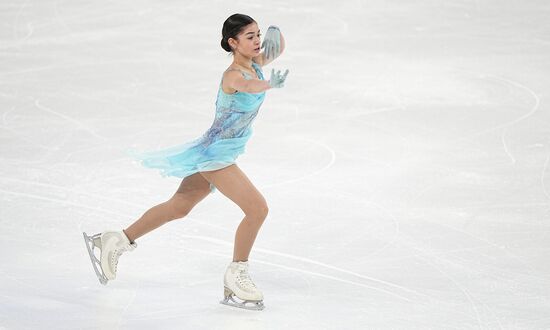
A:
112,244
237,283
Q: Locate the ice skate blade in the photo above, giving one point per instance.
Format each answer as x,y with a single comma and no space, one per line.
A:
92,242
245,304
256,305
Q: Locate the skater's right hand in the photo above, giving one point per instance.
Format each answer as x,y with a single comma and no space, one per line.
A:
272,42
277,80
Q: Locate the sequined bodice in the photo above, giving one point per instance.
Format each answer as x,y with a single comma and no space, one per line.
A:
235,112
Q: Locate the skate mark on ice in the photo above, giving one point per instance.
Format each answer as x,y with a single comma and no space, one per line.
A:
317,172
76,122
15,24
23,137
460,287
338,279
307,260
505,125
514,122
97,197
20,135
531,271
60,201
334,278
544,169
5,115
428,256
386,211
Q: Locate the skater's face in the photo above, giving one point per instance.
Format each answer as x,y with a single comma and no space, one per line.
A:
248,41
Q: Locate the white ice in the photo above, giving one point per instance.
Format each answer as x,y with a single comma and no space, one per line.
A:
405,164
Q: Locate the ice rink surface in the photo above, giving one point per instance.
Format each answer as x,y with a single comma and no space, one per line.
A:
405,164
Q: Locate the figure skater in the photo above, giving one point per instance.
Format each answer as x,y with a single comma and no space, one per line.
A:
209,163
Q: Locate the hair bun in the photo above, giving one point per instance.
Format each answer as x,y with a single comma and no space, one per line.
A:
225,45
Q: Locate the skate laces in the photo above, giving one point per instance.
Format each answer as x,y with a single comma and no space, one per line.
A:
118,252
244,279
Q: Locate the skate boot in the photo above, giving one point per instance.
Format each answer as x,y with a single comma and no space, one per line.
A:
237,283
112,244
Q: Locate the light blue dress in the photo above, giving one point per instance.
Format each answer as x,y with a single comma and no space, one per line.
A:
222,143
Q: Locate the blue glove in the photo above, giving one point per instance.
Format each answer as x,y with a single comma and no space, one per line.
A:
272,42
277,80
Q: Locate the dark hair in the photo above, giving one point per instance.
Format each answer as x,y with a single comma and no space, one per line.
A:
232,26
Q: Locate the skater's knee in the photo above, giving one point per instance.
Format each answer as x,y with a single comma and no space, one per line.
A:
181,213
180,209
258,213
183,202
263,211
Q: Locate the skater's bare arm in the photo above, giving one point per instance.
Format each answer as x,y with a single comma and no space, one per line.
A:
235,80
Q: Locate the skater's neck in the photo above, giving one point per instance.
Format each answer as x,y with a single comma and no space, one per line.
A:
243,61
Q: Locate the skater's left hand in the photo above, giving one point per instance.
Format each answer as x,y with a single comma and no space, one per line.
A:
272,42
277,80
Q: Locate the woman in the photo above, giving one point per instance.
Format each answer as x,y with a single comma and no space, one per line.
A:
209,162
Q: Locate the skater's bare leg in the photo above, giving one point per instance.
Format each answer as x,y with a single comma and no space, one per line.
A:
191,191
233,183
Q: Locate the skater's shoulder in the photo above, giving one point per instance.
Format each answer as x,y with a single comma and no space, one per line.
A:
228,80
